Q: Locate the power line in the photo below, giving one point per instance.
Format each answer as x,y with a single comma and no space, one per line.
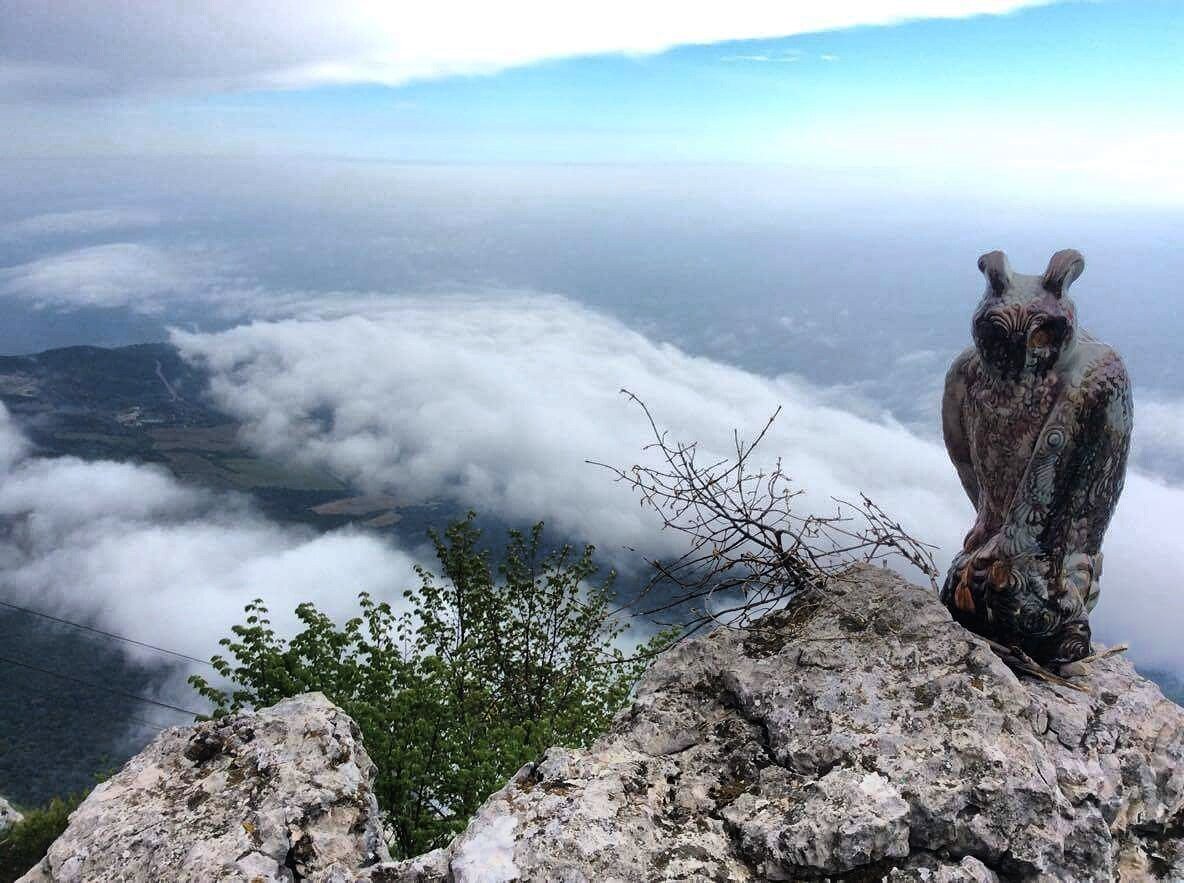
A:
94,686
144,723
111,635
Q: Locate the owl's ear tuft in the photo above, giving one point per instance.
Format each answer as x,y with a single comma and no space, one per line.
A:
1063,269
995,267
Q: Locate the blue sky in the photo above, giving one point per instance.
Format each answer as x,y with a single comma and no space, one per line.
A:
1047,71
1080,97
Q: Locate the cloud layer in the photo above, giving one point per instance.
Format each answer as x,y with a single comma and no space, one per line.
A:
499,404
494,404
1159,441
129,549
142,277
80,222
73,47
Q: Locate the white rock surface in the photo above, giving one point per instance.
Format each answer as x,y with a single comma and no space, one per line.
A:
280,795
864,737
8,815
867,738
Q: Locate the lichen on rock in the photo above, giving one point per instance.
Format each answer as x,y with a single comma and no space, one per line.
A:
283,794
877,740
866,736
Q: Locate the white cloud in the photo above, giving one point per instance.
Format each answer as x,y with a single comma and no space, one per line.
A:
492,404
498,405
118,274
79,223
129,549
72,46
1138,167
788,56
1159,442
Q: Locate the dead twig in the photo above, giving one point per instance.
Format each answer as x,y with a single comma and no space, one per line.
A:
1021,663
749,549
1109,651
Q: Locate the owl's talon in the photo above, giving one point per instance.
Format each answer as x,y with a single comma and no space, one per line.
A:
963,599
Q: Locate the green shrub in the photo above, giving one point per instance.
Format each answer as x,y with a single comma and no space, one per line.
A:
26,842
486,668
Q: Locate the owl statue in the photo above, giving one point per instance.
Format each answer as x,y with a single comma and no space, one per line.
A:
1037,419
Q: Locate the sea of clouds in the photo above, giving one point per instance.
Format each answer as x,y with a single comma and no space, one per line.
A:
498,404
129,549
495,403
496,399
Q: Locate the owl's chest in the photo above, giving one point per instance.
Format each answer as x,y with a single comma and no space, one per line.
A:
1003,424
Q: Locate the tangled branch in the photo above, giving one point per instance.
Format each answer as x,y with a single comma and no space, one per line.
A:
749,551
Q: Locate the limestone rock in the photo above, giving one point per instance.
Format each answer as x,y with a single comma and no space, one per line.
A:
865,735
283,794
8,815
862,736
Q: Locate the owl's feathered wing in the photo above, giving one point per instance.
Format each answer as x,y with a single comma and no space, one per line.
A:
954,427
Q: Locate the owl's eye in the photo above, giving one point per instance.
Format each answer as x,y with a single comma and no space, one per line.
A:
1041,337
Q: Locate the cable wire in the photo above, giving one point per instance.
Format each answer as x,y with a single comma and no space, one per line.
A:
95,686
143,723
112,635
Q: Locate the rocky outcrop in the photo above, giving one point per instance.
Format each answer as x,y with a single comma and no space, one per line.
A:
280,795
860,736
8,815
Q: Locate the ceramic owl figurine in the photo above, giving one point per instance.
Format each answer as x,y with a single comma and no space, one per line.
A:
1037,418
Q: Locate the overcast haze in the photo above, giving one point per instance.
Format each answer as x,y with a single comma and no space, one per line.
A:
426,249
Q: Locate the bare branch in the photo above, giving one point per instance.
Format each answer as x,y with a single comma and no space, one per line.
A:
748,550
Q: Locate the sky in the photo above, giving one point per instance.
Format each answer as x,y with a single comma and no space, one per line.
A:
1075,100
460,231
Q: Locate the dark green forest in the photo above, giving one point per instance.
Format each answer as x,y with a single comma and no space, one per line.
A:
56,734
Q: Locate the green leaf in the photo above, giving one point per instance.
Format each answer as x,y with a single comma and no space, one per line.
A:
482,669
